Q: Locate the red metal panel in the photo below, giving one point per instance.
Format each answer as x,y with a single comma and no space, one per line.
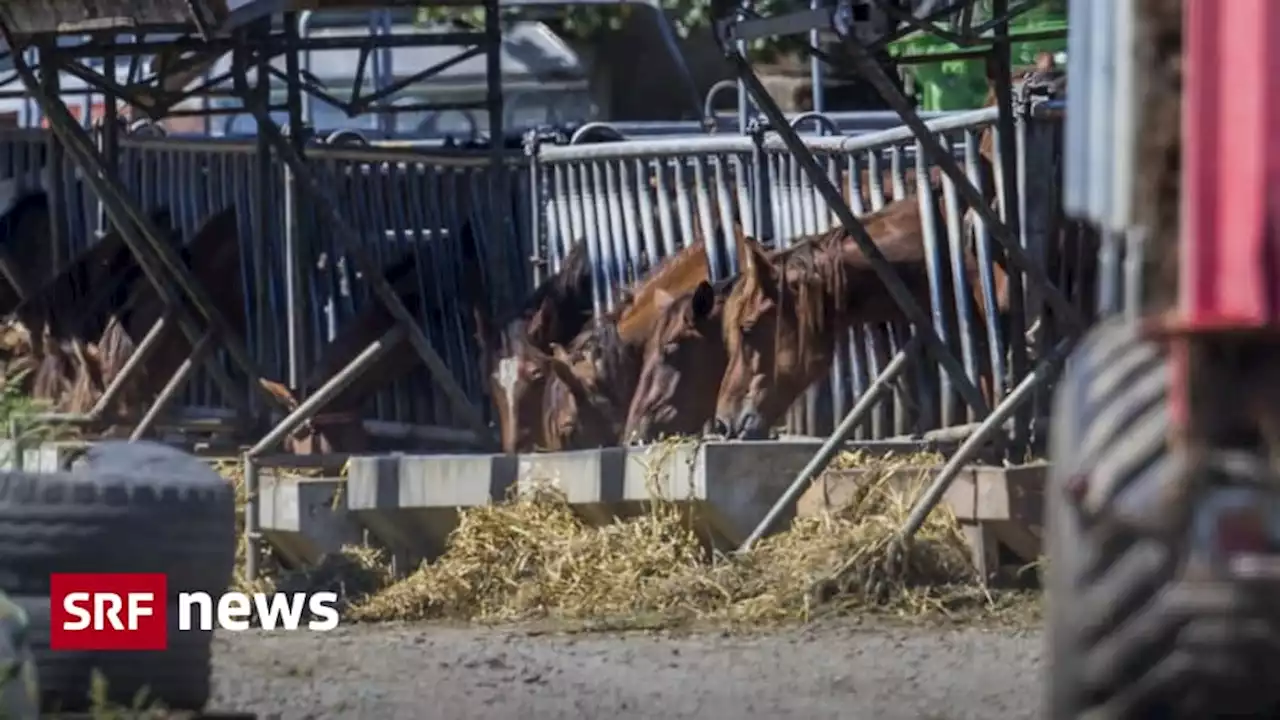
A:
1230,262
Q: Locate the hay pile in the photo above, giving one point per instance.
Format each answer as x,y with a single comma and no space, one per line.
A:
535,558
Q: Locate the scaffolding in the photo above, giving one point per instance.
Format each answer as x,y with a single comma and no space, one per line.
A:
182,41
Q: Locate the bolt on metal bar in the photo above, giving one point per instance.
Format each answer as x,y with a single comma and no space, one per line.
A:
897,290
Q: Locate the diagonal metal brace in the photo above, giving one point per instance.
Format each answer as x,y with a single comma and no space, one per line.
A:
871,70
137,232
866,244
417,338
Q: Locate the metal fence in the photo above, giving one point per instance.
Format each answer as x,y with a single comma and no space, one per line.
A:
633,203
637,201
405,205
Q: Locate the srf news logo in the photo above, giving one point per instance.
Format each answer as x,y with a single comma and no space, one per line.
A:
130,611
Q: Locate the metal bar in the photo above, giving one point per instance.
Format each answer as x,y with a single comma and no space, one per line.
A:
252,535
497,185
897,290
56,190
335,385
131,365
1011,207
294,251
738,144
1015,257
994,423
171,388
833,444
137,232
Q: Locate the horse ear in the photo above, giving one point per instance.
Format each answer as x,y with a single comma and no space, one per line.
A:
704,300
755,264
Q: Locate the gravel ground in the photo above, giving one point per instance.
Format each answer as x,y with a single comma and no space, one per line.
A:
829,671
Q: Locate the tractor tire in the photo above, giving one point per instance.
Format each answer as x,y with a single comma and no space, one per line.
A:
1129,636
128,507
19,683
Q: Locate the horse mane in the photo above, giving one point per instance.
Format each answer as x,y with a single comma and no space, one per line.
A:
814,267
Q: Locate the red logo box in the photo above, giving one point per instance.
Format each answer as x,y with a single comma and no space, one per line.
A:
108,611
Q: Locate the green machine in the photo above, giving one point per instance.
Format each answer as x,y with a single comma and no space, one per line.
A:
962,84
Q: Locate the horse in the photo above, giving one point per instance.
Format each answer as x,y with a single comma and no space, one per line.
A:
25,241
63,318
511,349
213,257
781,320
577,396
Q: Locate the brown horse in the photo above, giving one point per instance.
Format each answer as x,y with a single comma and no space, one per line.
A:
578,396
683,360
512,351
781,320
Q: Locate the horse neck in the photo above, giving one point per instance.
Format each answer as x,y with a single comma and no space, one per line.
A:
677,276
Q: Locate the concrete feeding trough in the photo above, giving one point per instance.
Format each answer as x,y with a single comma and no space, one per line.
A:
411,502
305,518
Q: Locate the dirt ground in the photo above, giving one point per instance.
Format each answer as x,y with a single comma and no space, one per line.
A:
843,670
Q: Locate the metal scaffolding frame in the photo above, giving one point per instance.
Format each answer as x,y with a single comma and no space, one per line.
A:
863,27
182,55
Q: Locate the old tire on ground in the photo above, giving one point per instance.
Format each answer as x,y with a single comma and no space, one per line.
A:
130,507
19,685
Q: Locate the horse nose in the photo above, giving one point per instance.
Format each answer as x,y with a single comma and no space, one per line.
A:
750,425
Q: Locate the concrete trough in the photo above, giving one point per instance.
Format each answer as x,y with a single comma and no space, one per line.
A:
304,518
411,502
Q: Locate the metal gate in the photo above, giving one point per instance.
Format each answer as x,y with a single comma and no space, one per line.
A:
637,201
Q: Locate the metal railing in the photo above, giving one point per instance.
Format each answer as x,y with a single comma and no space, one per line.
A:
636,202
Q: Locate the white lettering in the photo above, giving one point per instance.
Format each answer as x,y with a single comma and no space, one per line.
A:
290,610
71,604
322,606
233,610
195,599
282,611
137,609
107,606
106,610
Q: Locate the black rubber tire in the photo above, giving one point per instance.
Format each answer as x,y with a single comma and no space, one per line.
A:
1110,418
179,676
129,507
19,685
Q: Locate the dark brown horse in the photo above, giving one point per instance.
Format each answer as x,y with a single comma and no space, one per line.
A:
26,243
578,396
513,349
